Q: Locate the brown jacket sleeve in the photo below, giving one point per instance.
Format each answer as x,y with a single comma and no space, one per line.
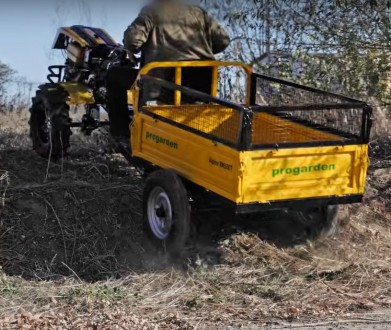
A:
137,34
219,36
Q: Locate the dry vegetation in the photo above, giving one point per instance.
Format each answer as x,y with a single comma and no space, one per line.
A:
72,253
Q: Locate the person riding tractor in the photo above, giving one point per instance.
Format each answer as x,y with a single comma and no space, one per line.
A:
282,147
165,30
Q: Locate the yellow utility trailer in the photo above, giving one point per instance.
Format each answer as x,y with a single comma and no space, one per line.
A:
209,130
286,146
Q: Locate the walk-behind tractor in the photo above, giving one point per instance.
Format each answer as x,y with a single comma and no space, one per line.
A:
90,53
285,146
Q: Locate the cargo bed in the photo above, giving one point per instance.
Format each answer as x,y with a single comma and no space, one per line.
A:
288,143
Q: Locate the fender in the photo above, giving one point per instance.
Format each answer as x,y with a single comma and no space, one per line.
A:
78,93
74,93
70,93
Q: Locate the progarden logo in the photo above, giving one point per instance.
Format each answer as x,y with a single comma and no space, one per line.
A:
295,171
161,140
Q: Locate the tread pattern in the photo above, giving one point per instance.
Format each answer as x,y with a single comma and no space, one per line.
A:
50,129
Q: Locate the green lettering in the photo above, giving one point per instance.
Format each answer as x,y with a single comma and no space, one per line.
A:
299,170
160,140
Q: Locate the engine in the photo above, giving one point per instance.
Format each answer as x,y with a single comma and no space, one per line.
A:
90,52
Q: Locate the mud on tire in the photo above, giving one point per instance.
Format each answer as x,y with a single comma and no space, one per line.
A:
167,213
50,124
321,221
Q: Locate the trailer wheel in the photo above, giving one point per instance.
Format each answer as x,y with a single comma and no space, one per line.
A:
49,126
166,212
322,221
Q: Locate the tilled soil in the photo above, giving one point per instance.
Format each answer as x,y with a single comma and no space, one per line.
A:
73,254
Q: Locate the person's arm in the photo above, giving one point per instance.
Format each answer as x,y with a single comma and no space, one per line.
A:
219,36
137,34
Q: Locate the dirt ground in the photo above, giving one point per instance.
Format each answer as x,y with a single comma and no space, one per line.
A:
371,321
72,253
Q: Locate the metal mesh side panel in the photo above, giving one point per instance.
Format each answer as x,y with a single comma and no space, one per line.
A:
216,121
347,122
272,93
271,129
290,113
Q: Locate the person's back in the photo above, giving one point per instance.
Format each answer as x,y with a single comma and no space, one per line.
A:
169,30
166,30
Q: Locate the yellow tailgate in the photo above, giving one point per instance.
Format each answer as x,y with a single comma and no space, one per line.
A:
303,173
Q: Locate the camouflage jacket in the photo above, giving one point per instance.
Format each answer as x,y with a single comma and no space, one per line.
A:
171,31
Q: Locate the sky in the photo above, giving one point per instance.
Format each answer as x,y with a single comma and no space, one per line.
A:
28,28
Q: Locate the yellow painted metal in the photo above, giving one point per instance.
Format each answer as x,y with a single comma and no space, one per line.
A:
214,64
215,81
191,155
130,97
303,173
178,81
135,98
182,64
251,176
81,94
78,93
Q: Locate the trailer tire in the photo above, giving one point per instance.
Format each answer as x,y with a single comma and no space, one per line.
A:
167,212
322,221
50,126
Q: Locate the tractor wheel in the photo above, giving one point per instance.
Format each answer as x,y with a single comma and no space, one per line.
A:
166,212
50,126
322,221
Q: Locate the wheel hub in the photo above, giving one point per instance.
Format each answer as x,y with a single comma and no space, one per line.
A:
44,130
160,213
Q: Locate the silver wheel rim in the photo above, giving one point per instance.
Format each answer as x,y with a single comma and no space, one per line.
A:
159,212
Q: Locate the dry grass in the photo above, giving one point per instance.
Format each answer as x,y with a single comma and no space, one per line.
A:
72,253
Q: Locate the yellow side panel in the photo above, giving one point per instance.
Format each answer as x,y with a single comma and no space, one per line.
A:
78,94
303,173
213,166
